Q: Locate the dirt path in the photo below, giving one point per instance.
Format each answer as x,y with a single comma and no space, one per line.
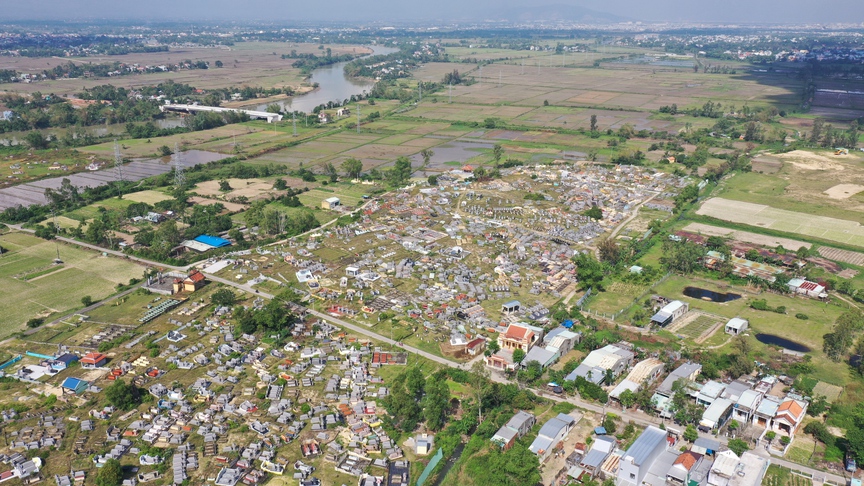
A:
624,223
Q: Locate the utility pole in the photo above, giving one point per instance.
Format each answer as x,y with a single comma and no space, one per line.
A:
118,169
56,243
294,122
179,173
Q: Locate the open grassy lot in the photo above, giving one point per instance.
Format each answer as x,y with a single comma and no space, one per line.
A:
52,293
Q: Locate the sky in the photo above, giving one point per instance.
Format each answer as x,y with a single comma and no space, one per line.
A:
740,11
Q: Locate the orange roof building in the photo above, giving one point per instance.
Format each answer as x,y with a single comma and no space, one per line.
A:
516,337
94,360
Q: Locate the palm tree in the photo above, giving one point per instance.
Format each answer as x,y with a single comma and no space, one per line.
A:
426,154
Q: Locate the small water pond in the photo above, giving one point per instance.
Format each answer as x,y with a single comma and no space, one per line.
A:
697,293
775,340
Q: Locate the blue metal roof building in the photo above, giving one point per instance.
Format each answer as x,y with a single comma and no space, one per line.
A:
213,241
74,385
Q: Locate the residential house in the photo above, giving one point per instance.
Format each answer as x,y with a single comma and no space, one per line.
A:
686,374
543,356
746,405
551,434
74,385
765,412
639,458
730,470
475,346
602,447
343,112
614,357
517,337
515,428
736,326
789,416
324,117
561,340
645,372
710,391
716,415
193,282
502,360
679,473
669,313
809,289
511,307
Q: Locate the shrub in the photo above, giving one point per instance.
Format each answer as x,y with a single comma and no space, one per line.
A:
35,322
801,316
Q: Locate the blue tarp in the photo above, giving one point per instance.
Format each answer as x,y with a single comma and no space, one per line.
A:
213,241
568,323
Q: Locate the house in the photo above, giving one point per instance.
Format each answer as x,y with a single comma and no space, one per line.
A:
543,356
475,346
746,405
94,360
730,470
423,444
343,112
330,203
63,361
685,373
324,117
600,450
352,271
517,337
716,415
74,385
511,307
704,446
613,358
669,313
679,473
710,391
561,340
736,326
789,416
639,458
515,428
194,281
805,287
551,434
765,412
645,371
502,360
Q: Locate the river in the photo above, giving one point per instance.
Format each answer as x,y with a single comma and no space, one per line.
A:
333,85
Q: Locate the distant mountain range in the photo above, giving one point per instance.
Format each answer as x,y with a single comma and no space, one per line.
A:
557,12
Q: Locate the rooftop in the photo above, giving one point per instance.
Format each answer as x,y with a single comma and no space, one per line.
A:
645,445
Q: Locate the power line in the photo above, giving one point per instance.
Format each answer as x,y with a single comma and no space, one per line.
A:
118,162
179,172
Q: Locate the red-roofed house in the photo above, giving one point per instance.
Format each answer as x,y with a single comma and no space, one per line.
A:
789,416
475,346
516,337
194,281
94,360
679,473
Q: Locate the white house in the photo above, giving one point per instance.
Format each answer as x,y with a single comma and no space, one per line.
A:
551,434
640,456
330,203
736,326
670,312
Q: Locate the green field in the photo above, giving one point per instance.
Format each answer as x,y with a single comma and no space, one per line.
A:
31,286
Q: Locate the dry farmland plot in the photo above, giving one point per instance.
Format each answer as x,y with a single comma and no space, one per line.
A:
252,63
842,231
85,273
746,236
149,197
844,256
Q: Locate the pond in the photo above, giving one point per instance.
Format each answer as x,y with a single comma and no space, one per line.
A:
775,340
697,293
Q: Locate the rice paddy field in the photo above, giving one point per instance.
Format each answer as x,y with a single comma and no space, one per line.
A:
33,286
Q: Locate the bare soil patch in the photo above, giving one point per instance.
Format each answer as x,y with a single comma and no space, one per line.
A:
810,161
745,236
252,189
843,191
844,256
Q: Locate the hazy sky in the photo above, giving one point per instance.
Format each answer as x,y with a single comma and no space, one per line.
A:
798,11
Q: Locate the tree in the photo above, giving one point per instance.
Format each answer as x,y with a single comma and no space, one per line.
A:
36,140
225,186
352,167
593,123
223,297
400,173
122,395
610,251
86,301
110,474
518,355
436,403
681,256
690,433
589,271
331,172
479,384
627,398
35,322
432,180
594,213
497,153
165,151
426,154
219,64
738,446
